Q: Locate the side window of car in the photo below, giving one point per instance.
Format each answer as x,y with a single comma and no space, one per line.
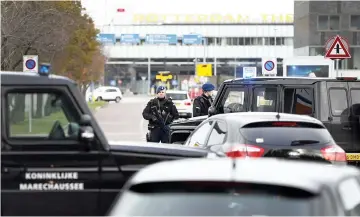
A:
349,191
355,100
218,133
233,101
298,101
338,102
199,137
45,116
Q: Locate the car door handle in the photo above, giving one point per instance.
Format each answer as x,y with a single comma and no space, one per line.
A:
6,170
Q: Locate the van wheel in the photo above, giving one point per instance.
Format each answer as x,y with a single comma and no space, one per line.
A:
117,99
99,98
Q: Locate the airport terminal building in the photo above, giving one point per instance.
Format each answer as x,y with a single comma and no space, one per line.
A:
175,43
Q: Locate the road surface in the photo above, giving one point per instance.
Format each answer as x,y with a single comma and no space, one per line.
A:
124,121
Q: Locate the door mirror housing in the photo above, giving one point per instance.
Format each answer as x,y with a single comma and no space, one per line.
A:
212,111
86,132
216,149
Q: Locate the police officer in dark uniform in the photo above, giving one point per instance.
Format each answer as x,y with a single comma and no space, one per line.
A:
202,103
160,112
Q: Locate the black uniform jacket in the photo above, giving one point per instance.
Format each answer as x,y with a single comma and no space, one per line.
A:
164,107
201,105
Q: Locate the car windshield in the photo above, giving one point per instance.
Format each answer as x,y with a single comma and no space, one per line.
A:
268,133
275,201
177,96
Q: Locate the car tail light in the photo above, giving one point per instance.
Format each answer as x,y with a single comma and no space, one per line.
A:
245,151
284,124
333,153
187,103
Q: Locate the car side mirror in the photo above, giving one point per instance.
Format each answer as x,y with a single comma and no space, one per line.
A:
216,149
212,111
86,132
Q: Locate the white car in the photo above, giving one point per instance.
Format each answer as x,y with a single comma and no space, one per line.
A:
106,93
182,102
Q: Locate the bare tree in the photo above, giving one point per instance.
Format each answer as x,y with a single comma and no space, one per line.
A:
31,27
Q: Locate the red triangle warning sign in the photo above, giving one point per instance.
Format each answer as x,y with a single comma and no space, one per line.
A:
338,49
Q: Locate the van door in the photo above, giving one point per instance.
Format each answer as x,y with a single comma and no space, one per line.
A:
354,88
339,98
45,170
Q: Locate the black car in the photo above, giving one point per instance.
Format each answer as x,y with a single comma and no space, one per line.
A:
333,101
241,187
55,159
267,134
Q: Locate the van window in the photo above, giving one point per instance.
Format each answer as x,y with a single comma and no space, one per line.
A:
264,99
298,101
234,101
355,99
338,102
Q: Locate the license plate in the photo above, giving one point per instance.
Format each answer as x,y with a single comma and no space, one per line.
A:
177,104
353,156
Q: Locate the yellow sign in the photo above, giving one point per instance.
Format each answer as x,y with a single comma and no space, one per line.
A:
204,70
353,156
164,78
211,18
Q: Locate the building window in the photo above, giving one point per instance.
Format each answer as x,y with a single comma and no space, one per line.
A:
326,22
355,22
280,41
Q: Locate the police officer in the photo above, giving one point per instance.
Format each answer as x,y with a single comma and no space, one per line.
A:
160,112
202,103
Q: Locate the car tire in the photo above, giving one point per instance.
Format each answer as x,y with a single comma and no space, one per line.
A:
99,98
117,99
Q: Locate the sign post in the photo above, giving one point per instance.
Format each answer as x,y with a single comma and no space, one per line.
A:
269,66
337,48
30,63
203,69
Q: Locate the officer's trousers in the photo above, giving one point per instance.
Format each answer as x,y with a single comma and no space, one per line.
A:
159,135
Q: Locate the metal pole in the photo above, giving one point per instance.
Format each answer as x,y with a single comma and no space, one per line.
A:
149,75
215,66
204,42
337,67
234,68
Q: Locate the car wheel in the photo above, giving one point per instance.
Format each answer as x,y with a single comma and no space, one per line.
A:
99,98
117,99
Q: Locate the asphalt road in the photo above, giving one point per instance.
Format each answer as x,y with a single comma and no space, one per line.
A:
123,121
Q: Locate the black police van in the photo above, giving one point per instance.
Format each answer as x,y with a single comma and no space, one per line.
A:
55,159
334,101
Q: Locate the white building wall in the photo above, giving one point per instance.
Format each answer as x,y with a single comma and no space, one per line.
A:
205,30
163,51
199,51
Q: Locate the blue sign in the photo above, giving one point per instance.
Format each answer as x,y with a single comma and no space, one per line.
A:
269,65
192,39
161,39
106,38
30,64
130,39
112,82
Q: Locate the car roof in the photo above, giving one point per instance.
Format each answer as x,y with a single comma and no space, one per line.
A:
309,176
280,80
250,117
28,78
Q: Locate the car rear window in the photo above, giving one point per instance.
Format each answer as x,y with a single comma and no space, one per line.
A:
285,133
177,96
214,199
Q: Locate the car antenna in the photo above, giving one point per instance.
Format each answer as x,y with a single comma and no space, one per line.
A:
278,115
